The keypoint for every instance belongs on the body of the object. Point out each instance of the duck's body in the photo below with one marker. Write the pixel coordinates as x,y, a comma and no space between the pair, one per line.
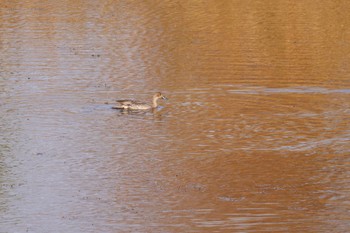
136,105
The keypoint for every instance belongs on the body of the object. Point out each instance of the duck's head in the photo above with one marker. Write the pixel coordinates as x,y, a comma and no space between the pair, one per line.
159,95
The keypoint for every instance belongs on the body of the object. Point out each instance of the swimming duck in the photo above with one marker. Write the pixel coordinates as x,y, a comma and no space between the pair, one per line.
136,105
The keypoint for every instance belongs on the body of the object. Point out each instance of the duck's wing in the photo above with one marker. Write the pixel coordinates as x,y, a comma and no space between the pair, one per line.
125,102
129,102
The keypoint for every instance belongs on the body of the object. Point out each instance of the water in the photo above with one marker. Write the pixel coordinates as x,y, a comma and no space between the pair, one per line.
254,136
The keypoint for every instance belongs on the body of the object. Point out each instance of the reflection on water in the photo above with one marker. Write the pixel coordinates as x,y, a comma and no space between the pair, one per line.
254,137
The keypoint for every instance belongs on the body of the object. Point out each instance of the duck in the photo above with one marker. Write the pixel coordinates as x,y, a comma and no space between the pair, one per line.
136,105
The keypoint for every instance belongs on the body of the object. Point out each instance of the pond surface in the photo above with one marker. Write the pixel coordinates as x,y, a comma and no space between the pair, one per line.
255,136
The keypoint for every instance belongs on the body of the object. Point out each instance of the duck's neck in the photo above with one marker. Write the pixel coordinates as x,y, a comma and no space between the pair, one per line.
155,104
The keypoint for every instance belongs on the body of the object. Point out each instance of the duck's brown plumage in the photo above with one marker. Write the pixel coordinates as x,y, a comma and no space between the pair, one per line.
137,105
